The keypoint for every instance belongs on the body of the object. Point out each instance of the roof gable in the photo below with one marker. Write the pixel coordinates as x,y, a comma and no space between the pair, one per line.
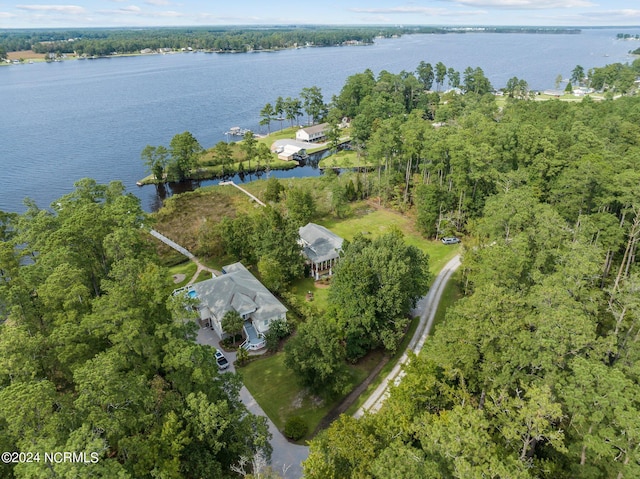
240,291
320,244
315,128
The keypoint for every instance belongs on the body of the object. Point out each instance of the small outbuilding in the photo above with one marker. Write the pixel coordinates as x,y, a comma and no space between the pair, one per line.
290,152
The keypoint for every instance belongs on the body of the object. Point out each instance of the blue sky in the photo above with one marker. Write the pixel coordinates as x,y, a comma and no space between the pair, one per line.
101,13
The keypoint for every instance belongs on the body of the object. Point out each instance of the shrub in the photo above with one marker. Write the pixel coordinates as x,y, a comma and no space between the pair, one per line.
242,357
281,328
274,190
295,428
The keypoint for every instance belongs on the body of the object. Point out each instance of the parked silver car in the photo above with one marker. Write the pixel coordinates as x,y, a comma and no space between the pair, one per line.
450,240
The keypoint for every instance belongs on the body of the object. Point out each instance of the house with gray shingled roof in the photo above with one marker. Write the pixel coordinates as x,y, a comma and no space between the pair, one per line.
321,248
238,290
312,133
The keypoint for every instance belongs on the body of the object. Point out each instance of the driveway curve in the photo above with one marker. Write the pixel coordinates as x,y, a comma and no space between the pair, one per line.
287,458
426,309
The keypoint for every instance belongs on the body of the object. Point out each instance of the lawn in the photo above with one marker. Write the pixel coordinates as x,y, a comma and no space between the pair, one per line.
286,133
188,268
344,159
375,222
277,391
300,287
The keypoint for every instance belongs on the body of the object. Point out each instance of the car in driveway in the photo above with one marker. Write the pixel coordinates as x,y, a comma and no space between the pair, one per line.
223,363
450,240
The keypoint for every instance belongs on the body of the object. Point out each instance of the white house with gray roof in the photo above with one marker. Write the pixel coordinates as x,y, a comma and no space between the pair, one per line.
321,248
238,290
312,133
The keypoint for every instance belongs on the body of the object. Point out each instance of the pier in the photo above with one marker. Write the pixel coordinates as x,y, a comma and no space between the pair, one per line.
237,131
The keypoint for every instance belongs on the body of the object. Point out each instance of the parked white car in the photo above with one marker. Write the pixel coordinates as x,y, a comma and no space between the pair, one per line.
223,363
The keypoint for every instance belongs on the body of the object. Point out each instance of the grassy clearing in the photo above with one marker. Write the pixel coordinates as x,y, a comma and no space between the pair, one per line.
300,287
183,216
375,222
188,268
286,133
277,391
344,159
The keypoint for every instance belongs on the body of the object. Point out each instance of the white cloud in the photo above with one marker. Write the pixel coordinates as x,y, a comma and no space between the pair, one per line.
158,3
169,13
625,15
131,9
434,12
66,9
525,4
7,15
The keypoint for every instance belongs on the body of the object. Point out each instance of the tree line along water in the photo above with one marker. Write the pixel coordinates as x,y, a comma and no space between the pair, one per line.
92,118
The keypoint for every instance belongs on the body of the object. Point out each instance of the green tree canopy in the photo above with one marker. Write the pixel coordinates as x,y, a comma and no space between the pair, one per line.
185,151
375,285
93,358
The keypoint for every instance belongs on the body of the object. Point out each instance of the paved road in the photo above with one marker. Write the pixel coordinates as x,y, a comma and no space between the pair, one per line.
288,457
285,456
426,308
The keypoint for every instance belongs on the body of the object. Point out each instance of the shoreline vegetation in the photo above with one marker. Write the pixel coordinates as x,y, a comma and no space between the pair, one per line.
36,45
210,165
186,159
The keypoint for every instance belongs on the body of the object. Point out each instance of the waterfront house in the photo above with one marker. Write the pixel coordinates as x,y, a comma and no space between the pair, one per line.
290,152
321,248
312,133
238,290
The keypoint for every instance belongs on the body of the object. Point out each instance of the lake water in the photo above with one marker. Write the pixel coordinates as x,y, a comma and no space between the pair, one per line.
63,121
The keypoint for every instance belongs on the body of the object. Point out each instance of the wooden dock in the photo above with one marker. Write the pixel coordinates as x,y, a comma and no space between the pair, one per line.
244,191
237,131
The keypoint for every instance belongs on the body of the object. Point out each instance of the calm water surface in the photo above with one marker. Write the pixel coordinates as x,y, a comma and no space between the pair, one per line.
63,121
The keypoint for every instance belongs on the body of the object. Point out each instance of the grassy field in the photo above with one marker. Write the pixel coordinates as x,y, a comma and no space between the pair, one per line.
286,133
344,159
277,391
184,216
300,287
368,220
188,268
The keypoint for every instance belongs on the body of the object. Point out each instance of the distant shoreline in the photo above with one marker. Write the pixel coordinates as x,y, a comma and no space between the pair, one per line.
66,48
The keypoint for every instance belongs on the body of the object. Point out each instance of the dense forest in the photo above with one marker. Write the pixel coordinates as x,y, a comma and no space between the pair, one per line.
534,373
95,356
106,41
